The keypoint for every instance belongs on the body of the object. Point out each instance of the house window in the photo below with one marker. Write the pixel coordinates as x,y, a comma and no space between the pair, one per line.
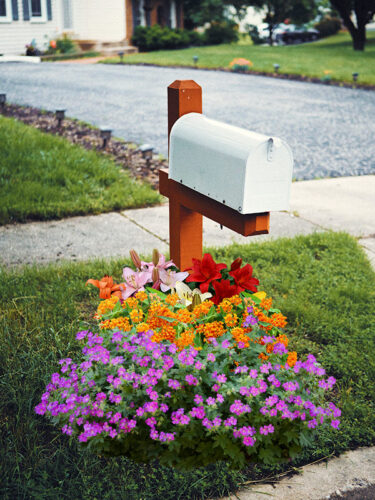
5,11
36,8
3,8
38,11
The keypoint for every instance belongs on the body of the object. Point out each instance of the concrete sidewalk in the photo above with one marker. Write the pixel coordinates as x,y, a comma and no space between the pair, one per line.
342,204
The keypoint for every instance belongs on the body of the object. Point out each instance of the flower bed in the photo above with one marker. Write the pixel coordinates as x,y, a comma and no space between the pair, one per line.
189,376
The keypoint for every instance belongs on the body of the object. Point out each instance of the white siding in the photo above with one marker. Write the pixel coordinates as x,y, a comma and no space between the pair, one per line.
16,34
102,20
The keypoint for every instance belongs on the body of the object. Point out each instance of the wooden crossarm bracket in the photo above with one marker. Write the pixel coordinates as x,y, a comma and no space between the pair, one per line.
245,224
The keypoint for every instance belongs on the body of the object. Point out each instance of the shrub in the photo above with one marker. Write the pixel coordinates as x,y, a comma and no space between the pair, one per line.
65,45
328,26
162,38
217,33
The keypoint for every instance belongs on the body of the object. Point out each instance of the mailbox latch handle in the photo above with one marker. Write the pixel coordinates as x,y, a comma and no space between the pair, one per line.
270,149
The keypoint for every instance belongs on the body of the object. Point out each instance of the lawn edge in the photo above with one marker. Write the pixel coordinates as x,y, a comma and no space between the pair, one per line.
281,76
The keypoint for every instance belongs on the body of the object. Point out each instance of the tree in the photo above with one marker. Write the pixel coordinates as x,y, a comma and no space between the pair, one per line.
199,12
364,11
277,11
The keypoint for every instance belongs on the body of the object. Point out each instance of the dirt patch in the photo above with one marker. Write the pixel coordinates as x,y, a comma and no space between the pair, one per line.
125,154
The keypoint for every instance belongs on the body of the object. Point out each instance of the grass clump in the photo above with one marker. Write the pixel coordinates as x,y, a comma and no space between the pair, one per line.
45,177
322,282
330,58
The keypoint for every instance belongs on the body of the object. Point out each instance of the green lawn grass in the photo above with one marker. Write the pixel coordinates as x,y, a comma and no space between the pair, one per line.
45,177
322,282
334,54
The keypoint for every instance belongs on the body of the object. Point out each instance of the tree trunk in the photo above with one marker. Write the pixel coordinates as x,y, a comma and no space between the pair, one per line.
270,30
359,39
358,33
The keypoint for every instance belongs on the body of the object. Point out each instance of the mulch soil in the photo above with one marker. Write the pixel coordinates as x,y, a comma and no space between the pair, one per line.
125,154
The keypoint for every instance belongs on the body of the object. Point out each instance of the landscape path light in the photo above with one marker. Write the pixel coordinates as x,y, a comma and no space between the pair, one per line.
105,134
3,98
147,152
60,115
195,59
121,56
355,76
276,67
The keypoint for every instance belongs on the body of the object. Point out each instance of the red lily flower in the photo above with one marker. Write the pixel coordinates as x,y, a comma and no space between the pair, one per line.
205,271
236,264
223,289
107,287
243,278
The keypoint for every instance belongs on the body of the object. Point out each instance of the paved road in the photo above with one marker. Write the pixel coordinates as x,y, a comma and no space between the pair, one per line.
330,129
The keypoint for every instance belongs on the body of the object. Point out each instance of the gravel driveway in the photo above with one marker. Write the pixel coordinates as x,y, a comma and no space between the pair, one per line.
331,130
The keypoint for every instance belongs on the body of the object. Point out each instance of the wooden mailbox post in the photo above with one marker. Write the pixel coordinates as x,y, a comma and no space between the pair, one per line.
187,206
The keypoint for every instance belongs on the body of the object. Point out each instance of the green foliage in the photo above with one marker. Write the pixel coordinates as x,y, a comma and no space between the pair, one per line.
65,45
218,33
45,177
323,283
199,12
328,26
157,37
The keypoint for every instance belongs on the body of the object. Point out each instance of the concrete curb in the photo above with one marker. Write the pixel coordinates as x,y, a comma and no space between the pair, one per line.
352,470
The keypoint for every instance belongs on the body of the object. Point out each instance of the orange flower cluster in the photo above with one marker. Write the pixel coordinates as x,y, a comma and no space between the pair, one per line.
121,323
266,304
231,319
107,305
211,330
202,309
136,315
149,312
276,320
172,299
238,334
292,358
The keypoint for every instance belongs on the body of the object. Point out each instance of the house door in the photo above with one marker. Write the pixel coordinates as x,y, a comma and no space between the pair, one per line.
67,14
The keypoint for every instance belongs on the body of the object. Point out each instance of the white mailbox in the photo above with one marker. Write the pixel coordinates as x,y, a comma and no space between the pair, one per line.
244,170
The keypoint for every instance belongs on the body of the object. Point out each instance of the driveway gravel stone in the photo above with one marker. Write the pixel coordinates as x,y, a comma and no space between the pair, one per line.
330,129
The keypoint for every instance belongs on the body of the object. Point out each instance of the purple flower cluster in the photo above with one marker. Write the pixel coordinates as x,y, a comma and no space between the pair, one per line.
127,383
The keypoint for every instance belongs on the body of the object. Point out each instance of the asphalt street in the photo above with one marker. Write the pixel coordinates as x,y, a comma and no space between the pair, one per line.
330,129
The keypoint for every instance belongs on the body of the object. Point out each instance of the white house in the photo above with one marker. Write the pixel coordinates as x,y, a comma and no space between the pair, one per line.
21,21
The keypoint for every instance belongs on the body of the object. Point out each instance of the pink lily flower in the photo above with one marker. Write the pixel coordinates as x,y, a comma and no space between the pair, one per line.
148,267
169,279
134,281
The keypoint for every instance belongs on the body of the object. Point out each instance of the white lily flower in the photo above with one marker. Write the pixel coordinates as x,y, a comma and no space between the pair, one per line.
186,295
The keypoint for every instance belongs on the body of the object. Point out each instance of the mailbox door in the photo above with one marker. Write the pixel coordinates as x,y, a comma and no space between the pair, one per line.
268,178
